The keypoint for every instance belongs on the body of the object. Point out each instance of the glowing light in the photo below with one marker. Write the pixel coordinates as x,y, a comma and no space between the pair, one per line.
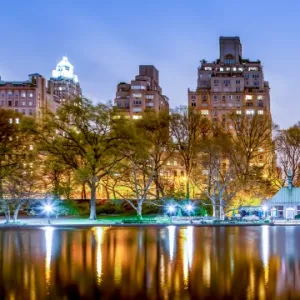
48,208
65,69
265,208
171,230
171,208
48,237
189,207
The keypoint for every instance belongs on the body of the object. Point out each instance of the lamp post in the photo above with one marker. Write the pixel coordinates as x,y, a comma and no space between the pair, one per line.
265,209
48,209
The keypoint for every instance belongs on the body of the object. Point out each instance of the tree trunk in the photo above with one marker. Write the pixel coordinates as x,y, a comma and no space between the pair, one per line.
214,209
139,211
221,209
7,216
16,213
93,215
187,188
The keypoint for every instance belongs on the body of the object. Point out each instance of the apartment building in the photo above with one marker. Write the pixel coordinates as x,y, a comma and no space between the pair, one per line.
32,97
144,92
230,84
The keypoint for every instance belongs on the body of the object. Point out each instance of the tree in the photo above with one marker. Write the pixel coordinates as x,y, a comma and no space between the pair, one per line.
16,145
287,144
155,130
136,173
189,129
85,138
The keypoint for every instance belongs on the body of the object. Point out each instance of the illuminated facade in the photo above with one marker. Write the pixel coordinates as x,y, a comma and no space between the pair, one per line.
65,82
142,93
231,84
31,97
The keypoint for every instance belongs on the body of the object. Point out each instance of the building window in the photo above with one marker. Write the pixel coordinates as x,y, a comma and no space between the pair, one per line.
138,87
226,82
238,98
215,97
221,69
204,97
234,69
246,76
30,112
17,120
137,102
253,69
10,120
255,76
193,97
260,112
241,69
23,103
204,112
193,104
2,102
23,94
216,82
228,69
229,97
250,112
215,112
30,103
9,103
238,82
30,95
238,112
135,117
207,68
260,97
255,83
16,103
249,97
137,95
149,96
137,109
23,112
204,82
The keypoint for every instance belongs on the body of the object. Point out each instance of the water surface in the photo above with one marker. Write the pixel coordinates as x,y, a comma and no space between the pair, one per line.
150,263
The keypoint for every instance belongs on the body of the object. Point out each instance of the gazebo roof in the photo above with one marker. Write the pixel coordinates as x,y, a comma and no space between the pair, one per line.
286,195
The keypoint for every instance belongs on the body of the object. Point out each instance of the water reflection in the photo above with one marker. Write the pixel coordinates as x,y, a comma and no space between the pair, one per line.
151,263
48,238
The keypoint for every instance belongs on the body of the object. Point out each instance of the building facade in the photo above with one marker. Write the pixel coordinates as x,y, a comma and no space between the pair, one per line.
141,94
32,97
231,84
65,82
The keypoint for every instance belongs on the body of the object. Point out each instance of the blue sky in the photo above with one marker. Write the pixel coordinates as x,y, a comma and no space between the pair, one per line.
107,40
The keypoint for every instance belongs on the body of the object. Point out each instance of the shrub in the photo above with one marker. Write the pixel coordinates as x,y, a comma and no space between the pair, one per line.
297,216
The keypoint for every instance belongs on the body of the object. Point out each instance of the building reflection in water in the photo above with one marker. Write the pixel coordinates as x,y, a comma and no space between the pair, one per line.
151,263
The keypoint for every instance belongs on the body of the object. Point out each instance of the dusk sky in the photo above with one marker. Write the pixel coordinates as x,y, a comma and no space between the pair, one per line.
107,40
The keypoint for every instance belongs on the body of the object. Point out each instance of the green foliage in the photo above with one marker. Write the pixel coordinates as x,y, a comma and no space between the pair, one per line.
297,217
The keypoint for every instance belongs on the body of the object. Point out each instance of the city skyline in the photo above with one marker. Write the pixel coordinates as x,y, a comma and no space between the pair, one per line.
104,52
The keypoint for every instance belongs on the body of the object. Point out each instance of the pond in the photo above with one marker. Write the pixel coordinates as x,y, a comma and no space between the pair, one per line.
150,263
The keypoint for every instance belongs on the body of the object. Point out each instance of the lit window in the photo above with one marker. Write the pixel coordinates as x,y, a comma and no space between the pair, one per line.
208,68
234,69
137,109
260,112
138,87
30,95
10,120
204,112
241,69
249,97
137,95
23,103
30,147
260,97
230,97
23,94
253,69
238,112
30,103
135,117
221,69
250,112
227,69
260,149
17,120
149,96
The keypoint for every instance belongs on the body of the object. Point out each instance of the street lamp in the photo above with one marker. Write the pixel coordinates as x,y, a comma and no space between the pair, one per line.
171,208
48,209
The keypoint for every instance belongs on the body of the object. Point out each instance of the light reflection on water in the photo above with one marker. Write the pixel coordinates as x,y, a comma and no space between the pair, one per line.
151,263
